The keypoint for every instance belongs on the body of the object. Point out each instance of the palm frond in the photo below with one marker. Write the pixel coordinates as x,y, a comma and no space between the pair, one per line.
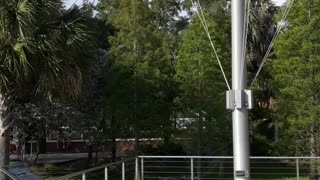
43,42
16,58
74,27
25,12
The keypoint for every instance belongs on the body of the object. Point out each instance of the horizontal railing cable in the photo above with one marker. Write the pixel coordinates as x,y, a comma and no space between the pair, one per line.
204,167
92,169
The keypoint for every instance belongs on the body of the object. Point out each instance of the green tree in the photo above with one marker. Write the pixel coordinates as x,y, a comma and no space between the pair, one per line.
36,118
130,50
296,78
42,51
261,29
141,75
92,124
201,84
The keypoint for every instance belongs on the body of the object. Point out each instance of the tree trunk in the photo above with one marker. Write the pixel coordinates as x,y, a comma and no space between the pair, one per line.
167,128
90,151
4,151
113,149
5,122
43,146
136,140
199,144
113,139
318,168
43,142
38,151
175,122
166,134
96,158
200,126
276,130
313,162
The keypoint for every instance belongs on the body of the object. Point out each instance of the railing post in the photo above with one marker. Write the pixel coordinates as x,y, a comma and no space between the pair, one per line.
123,171
84,176
192,169
297,168
106,173
137,170
142,169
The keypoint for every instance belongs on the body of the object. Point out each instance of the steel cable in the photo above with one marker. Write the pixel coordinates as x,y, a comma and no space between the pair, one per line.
205,27
272,41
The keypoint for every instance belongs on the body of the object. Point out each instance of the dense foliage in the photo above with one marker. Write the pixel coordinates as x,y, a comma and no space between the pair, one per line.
145,69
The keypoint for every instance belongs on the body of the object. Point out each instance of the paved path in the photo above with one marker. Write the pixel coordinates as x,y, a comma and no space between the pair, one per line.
54,158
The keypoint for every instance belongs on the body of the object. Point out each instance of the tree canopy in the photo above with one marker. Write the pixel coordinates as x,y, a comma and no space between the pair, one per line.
145,69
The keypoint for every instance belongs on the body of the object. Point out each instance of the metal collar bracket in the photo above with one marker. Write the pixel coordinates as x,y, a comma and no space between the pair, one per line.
238,99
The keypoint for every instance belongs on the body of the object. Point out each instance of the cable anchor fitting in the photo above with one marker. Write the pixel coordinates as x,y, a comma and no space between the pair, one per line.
238,99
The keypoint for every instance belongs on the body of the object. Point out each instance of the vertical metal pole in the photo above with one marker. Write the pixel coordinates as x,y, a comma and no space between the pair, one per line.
106,173
84,176
123,171
297,168
192,174
136,169
240,114
142,169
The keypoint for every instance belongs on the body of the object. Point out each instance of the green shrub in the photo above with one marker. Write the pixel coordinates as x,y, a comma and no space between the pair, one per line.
261,146
49,167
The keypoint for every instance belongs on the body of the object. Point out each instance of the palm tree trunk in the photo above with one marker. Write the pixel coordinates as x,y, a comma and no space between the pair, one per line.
5,122
4,151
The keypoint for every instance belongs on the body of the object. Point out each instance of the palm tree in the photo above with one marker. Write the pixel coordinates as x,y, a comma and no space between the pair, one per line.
43,50
261,29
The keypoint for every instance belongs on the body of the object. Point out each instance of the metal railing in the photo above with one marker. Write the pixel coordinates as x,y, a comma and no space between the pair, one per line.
201,167
119,170
218,167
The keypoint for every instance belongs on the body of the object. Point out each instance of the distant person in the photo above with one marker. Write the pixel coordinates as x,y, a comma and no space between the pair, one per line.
60,139
69,134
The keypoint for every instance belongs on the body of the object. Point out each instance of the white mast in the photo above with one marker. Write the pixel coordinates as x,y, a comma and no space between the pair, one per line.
239,100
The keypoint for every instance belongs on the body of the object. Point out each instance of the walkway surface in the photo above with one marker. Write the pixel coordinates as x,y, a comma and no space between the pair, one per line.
54,158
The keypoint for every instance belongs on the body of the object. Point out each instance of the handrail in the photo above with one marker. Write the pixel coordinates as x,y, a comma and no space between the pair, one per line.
188,157
227,157
141,171
93,169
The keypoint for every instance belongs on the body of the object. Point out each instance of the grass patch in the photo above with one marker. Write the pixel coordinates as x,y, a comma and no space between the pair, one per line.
56,170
